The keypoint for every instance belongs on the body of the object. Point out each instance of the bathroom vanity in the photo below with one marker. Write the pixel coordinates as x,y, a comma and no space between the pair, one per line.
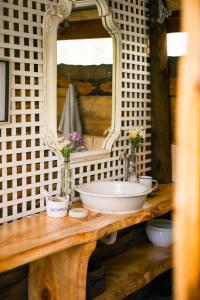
58,251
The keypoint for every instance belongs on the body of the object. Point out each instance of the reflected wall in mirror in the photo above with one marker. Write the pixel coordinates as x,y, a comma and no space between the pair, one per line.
84,77
4,90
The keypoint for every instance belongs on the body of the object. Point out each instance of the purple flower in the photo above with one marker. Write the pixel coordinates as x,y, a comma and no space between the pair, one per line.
76,137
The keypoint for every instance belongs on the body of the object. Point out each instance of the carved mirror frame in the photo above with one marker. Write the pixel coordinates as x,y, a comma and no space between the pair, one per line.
53,16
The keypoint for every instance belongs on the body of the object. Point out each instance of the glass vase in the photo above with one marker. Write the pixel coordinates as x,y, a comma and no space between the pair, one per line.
66,180
133,165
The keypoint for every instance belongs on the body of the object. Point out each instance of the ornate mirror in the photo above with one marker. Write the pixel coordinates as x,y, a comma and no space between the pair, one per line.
82,61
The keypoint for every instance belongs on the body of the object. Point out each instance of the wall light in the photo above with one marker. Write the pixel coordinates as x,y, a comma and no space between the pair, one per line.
177,43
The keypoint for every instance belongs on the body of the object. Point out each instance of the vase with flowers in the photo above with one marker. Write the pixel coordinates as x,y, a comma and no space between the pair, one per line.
135,136
65,147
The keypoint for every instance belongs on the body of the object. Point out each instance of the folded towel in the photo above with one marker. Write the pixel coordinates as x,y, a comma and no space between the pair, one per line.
70,119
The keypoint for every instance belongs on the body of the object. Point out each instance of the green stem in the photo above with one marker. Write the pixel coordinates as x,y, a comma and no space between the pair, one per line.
66,179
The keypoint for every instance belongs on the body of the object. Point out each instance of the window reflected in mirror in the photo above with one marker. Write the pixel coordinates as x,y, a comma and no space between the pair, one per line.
84,77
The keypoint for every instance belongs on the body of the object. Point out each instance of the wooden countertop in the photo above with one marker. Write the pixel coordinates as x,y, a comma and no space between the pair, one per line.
38,236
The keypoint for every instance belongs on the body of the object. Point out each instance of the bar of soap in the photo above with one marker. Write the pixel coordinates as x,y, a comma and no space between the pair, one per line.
78,212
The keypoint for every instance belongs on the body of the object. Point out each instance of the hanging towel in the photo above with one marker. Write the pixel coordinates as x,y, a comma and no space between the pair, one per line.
70,119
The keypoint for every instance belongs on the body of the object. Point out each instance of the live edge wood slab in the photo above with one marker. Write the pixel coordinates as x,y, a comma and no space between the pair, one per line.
133,269
58,250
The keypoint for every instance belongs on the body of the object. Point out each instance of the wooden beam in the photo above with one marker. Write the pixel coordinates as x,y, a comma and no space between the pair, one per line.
173,22
161,139
83,30
187,195
174,4
83,15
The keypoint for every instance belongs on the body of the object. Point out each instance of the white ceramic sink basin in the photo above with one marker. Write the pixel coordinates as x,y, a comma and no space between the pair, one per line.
113,196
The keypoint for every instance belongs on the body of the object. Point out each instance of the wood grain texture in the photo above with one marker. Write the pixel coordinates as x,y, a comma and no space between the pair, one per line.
187,196
61,275
84,73
173,87
160,105
84,14
38,236
96,109
133,269
14,284
174,5
87,29
173,22
172,63
95,114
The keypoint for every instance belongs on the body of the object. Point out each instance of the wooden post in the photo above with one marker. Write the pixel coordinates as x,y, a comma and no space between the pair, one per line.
160,107
187,195
61,276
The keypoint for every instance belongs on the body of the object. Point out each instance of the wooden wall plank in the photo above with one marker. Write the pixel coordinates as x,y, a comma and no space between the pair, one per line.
173,22
187,195
83,30
174,4
160,105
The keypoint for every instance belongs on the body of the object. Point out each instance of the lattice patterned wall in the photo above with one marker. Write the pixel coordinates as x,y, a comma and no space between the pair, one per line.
26,165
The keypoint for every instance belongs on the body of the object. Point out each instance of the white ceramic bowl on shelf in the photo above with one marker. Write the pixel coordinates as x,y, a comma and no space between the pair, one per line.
159,232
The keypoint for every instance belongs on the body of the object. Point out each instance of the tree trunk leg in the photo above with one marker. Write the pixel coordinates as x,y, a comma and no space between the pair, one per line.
61,276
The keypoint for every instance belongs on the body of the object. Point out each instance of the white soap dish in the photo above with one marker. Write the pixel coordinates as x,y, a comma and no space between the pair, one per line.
78,212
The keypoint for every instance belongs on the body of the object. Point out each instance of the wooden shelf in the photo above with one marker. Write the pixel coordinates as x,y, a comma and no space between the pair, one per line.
130,271
38,236
61,248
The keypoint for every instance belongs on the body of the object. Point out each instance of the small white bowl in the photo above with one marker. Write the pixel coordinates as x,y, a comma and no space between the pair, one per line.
159,232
